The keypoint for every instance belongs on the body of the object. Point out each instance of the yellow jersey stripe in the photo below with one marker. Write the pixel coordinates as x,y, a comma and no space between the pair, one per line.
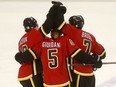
34,67
69,69
102,53
25,78
75,53
42,29
32,82
84,74
61,25
34,56
59,85
78,79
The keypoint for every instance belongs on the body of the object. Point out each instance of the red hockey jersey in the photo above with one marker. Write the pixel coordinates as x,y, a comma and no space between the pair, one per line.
54,54
87,43
29,40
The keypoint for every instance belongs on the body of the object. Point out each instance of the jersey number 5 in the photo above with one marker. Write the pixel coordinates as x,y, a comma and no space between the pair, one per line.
52,58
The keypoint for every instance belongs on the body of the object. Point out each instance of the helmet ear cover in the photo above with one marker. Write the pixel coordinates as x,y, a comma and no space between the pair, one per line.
29,23
77,21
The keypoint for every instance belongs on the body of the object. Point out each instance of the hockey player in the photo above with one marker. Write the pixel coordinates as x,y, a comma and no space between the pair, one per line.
83,76
30,73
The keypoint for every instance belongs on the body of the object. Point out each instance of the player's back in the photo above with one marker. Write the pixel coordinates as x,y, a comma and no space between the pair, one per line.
83,39
87,43
29,40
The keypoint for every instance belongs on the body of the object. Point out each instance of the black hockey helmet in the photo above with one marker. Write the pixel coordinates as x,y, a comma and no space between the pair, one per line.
29,23
77,21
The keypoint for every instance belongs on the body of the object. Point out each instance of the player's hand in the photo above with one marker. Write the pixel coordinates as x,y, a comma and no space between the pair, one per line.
18,57
96,61
57,9
95,58
60,9
56,15
98,64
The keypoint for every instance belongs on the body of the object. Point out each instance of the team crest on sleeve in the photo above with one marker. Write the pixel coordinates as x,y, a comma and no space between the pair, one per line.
71,42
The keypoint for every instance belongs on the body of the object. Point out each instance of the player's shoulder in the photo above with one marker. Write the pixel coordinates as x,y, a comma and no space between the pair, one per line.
70,26
65,38
24,35
89,33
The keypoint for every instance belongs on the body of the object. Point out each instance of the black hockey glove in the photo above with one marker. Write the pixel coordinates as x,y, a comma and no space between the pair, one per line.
48,24
97,62
56,14
24,57
95,58
59,21
56,9
18,57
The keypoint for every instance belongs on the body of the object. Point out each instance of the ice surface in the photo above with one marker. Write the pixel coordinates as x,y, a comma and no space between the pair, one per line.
100,20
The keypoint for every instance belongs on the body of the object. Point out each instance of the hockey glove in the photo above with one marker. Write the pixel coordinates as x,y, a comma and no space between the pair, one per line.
95,58
59,21
57,8
56,14
18,57
24,57
48,24
97,63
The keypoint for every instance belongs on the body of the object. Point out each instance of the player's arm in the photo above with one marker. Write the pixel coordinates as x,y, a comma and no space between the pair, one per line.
27,56
77,54
49,23
46,26
100,50
71,31
82,57
100,54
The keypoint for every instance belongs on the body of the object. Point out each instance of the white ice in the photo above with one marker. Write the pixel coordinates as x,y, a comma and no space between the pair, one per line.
100,20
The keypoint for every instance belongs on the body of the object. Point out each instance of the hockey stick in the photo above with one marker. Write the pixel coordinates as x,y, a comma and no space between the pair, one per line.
104,63
109,63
